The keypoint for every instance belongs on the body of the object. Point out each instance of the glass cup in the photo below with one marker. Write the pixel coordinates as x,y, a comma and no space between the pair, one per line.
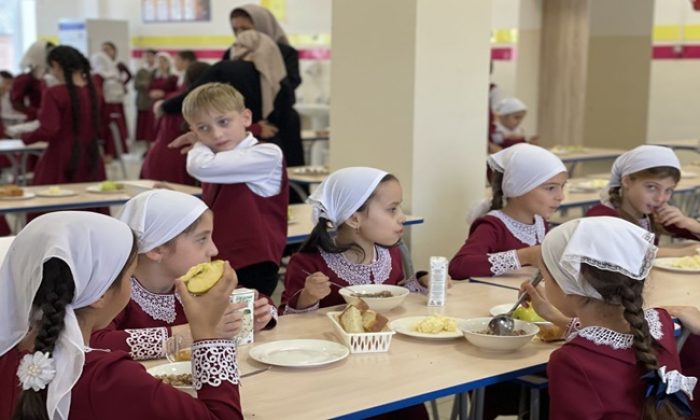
177,349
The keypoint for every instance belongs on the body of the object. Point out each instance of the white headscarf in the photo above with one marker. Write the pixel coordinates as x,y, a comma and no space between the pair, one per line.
509,106
607,243
156,65
95,248
343,192
525,167
639,159
34,59
158,216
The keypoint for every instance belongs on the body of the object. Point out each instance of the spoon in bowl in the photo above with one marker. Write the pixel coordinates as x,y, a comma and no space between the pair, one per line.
503,324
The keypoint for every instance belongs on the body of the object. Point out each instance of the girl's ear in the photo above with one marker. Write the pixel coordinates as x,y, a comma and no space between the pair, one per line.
626,181
156,254
354,221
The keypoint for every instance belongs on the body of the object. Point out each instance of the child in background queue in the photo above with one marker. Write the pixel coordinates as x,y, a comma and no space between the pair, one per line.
621,360
70,122
527,188
142,83
641,184
243,180
28,87
507,128
66,275
163,163
106,77
174,232
358,221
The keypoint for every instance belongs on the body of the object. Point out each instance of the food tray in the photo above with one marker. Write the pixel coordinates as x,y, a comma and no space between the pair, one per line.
373,342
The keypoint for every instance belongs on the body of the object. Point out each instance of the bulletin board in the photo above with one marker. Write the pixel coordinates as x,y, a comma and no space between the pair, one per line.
158,11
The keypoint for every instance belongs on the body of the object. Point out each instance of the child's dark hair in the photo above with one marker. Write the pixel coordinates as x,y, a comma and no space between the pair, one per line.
195,71
151,51
239,13
618,289
5,74
321,239
55,292
497,201
72,61
187,55
656,173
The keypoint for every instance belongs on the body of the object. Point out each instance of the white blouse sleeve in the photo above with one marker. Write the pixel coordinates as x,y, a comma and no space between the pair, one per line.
260,167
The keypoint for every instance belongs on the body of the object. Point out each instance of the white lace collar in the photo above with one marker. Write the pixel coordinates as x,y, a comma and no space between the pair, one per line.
354,274
616,340
528,234
159,306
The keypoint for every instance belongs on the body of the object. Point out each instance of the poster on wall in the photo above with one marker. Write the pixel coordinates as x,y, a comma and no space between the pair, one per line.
158,11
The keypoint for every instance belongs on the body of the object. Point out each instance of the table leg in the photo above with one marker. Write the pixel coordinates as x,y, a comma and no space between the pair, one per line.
477,408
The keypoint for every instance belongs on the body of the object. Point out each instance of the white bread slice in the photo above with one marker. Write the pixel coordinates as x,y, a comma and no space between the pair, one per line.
358,303
351,320
372,321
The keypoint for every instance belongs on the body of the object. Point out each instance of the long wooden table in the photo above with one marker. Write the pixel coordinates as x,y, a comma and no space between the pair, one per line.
680,144
411,372
17,153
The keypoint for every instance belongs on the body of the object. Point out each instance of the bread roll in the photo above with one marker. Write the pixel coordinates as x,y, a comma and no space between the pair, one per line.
372,321
351,320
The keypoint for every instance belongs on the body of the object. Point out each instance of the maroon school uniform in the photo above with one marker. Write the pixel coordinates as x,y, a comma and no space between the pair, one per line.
491,248
387,269
248,228
147,120
595,374
56,130
163,163
113,387
26,95
690,363
145,322
605,210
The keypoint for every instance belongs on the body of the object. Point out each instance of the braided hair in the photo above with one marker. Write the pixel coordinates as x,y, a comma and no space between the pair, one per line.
497,199
618,289
73,62
321,239
659,172
56,291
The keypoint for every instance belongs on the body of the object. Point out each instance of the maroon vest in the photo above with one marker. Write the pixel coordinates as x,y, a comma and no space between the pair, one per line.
248,228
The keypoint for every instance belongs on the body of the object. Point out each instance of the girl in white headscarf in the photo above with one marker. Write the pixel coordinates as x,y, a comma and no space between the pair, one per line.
641,184
27,88
358,221
621,361
527,188
67,274
507,128
174,233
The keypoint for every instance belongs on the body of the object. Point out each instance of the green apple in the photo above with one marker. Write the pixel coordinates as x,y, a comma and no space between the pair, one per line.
527,314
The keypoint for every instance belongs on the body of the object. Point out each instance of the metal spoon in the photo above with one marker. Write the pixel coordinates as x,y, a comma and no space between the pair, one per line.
503,324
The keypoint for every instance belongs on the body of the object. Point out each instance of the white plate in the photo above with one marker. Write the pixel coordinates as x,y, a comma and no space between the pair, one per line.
591,185
665,263
299,353
176,368
292,220
686,175
96,189
407,326
61,193
26,196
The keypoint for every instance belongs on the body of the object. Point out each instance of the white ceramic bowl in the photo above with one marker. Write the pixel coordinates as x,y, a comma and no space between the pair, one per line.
176,368
472,328
377,303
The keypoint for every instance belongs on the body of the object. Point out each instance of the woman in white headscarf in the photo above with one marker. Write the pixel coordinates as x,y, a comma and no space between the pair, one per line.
621,359
641,185
527,188
174,232
28,86
67,274
358,221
